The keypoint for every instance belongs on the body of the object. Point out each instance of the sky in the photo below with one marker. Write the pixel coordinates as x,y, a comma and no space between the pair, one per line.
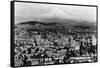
43,12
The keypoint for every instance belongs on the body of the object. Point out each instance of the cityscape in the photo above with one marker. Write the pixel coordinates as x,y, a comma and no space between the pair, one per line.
56,35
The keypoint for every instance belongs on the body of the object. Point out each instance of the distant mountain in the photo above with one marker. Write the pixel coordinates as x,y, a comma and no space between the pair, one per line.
32,23
60,22
56,26
56,15
55,20
40,23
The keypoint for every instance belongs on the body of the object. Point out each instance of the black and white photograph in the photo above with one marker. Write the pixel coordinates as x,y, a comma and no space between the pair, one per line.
53,34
